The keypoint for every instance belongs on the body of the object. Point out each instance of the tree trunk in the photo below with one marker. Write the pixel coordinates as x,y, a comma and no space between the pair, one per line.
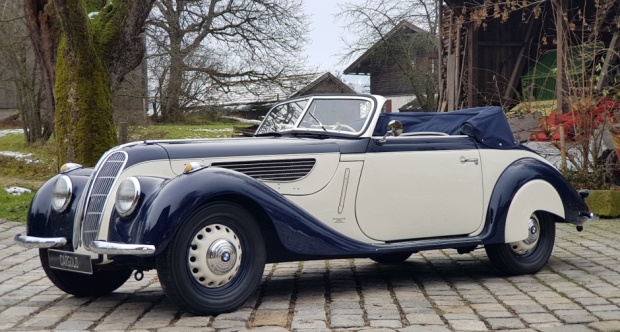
84,115
84,60
170,108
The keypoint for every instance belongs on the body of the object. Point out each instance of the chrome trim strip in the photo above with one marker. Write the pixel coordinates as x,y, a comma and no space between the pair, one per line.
111,248
39,242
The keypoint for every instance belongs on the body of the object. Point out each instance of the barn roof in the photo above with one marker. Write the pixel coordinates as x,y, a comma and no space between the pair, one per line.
362,65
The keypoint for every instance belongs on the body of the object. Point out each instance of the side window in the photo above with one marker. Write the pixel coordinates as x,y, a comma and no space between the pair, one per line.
282,117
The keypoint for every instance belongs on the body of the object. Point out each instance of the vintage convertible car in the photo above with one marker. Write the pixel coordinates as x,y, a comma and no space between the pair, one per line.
326,176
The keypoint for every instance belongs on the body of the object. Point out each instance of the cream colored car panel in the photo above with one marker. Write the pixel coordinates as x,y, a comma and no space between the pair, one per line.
536,195
334,206
317,179
420,194
494,162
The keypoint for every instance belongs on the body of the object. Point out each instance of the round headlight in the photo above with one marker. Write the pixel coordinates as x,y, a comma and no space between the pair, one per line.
61,195
127,196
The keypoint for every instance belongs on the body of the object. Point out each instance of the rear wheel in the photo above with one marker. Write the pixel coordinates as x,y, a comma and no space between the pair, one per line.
101,282
527,256
392,258
215,261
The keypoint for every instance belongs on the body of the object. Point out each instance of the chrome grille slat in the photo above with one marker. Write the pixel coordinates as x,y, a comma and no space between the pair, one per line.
101,184
288,170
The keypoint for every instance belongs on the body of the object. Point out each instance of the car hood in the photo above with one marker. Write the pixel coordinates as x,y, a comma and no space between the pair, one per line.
244,147
326,152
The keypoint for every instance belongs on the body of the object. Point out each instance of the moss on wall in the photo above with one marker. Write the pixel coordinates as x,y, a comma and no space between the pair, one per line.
606,203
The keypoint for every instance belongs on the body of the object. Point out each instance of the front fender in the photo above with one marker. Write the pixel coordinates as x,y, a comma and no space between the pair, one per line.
515,177
298,231
43,221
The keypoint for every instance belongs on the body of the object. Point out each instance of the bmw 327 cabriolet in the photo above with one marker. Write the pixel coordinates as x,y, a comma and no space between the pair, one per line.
326,176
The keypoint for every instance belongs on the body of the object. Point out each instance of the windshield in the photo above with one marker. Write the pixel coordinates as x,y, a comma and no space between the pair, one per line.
322,115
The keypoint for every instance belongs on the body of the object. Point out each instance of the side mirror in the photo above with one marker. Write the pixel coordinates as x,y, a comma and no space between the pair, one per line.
394,128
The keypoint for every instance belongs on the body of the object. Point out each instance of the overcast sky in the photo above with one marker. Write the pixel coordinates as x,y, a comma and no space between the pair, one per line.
326,39
325,34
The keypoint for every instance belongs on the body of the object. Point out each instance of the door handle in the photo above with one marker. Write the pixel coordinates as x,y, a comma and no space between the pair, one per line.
469,160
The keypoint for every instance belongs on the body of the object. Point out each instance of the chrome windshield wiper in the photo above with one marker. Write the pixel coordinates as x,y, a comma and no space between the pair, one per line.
317,120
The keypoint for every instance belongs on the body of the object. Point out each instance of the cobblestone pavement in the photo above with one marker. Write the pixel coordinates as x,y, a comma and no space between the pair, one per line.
440,290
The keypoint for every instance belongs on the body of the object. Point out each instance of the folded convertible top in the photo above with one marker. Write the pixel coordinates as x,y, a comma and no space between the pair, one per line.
487,125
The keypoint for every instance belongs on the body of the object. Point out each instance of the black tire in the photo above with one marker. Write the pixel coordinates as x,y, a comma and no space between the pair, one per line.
392,258
509,262
101,282
191,283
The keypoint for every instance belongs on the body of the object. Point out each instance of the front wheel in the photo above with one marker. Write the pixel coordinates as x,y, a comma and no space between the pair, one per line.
527,256
215,261
101,282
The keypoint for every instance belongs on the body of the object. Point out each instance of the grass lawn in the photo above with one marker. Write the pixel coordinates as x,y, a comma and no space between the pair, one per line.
39,163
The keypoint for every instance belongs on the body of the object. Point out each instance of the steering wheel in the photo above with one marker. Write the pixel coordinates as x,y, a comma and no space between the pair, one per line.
340,126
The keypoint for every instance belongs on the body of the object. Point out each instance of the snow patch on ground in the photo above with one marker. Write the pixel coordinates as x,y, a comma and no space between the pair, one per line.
5,132
27,157
17,191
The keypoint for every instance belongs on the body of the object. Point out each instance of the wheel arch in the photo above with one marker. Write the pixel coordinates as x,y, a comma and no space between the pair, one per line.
273,245
286,225
531,175
534,196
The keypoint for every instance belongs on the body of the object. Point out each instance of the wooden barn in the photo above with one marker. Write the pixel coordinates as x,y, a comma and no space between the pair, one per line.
507,52
391,63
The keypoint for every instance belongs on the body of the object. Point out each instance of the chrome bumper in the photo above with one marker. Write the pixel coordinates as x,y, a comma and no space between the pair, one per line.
111,248
98,247
39,242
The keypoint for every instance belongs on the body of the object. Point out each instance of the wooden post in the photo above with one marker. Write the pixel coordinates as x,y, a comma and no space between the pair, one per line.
122,132
388,106
518,68
562,147
560,81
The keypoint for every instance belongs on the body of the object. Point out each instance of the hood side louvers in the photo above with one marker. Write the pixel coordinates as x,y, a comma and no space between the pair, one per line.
286,170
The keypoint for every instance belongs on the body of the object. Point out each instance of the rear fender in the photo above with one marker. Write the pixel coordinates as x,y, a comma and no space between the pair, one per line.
536,195
509,205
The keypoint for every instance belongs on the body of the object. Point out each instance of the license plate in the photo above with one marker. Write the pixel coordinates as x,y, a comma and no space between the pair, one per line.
69,261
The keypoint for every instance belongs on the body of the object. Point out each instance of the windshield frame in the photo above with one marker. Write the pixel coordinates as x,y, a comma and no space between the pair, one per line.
296,129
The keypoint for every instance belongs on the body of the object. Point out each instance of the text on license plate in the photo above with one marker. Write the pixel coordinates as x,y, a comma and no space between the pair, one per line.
69,261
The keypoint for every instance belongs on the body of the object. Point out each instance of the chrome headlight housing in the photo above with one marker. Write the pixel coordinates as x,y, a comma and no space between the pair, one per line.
127,196
61,195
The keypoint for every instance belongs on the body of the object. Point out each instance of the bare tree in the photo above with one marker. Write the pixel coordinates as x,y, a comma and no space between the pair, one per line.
205,45
85,49
19,68
376,21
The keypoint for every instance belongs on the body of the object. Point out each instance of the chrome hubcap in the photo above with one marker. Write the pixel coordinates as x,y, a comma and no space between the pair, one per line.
525,246
214,256
221,256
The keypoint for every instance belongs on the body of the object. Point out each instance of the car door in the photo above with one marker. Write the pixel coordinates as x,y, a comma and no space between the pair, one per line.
420,187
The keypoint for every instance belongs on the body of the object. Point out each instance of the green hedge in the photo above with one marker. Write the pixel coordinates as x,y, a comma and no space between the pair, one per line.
606,203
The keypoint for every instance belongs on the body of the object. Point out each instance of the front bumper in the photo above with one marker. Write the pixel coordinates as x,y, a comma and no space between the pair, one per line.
98,247
39,242
111,248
